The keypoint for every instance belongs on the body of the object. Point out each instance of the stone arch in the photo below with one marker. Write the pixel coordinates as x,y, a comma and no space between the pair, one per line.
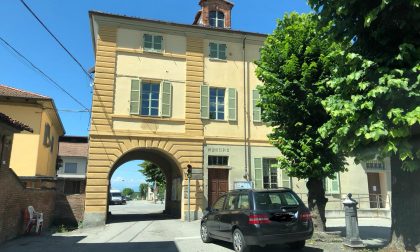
170,167
106,153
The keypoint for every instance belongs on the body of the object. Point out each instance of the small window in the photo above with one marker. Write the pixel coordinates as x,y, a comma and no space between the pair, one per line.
150,99
218,205
72,187
153,43
217,103
217,19
218,160
70,168
217,51
47,140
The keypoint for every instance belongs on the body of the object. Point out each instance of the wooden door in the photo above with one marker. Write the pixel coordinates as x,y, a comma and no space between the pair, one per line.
218,183
375,196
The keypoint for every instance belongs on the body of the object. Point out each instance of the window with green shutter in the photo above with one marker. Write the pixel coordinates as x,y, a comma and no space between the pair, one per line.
166,98
256,111
217,51
205,90
332,186
135,97
232,104
153,43
258,173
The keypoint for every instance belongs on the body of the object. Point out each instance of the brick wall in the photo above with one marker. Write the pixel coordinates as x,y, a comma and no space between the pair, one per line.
14,199
69,209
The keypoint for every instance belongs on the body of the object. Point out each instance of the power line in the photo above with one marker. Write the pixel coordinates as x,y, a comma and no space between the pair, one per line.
44,74
56,39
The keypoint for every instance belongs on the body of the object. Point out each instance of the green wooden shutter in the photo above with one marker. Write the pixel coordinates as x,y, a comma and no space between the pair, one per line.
166,99
333,185
147,41
256,110
222,51
213,50
135,97
232,104
157,43
205,91
258,173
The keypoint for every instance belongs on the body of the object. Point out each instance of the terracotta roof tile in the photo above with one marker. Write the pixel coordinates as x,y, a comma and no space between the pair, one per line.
73,149
15,124
14,92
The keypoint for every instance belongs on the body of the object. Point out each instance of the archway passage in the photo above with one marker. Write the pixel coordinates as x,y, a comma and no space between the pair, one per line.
172,173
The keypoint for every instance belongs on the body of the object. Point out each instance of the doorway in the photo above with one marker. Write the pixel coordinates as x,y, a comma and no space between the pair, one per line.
375,196
218,183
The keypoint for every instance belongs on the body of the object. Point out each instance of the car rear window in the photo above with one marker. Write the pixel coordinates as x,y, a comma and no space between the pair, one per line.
274,200
116,194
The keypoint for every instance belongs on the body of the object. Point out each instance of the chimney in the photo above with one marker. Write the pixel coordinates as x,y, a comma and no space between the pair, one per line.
214,13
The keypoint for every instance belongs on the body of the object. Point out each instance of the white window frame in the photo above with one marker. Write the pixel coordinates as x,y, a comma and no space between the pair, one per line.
154,36
269,174
218,51
149,113
217,18
217,102
72,163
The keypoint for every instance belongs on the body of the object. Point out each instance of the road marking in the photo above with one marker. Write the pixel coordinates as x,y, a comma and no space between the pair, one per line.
187,238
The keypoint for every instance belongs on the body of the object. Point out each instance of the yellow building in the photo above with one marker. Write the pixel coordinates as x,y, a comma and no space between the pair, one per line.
33,154
175,95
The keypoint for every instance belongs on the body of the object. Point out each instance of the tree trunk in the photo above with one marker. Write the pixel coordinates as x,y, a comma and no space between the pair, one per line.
405,208
317,203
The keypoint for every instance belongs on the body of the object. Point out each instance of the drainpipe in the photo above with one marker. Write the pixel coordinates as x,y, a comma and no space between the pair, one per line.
245,112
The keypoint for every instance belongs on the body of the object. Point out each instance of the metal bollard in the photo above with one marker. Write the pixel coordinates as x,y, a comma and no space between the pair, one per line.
352,227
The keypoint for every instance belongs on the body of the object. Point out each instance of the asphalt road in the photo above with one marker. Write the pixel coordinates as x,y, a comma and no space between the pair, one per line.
139,226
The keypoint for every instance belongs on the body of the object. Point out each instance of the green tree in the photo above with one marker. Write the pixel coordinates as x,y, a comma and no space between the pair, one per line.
293,67
143,190
152,173
127,192
375,109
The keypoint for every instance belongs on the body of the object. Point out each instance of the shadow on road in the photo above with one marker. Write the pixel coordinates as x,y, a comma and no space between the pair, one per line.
70,244
119,218
271,248
375,237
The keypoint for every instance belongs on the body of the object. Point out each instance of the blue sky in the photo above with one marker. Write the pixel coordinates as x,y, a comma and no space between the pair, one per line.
69,21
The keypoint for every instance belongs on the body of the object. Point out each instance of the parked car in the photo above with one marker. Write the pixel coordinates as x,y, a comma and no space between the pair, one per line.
115,197
258,217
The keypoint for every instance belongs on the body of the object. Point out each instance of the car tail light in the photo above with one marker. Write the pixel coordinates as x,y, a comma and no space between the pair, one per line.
259,219
305,216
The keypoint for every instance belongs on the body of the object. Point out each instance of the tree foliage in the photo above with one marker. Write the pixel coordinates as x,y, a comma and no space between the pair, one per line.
152,173
293,66
143,188
376,103
127,192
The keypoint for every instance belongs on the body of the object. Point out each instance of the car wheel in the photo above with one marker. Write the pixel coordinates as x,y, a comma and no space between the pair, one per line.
239,244
297,245
204,233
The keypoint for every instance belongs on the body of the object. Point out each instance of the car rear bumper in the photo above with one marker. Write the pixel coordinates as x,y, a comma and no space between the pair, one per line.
260,239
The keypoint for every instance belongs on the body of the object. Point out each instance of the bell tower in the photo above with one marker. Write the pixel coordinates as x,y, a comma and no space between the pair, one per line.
215,14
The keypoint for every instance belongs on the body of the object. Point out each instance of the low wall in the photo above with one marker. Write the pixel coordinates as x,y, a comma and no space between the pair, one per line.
69,209
15,198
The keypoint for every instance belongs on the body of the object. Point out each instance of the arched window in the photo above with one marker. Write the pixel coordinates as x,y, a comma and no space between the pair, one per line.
217,19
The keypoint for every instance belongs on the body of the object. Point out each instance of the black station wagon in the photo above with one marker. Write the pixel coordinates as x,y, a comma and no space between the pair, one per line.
258,217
